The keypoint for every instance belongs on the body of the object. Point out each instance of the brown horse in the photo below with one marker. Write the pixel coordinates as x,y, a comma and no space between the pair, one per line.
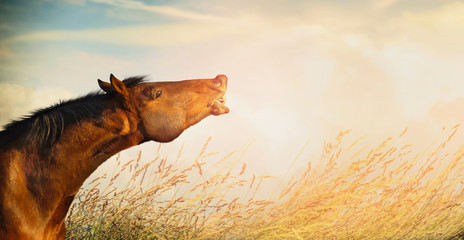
45,158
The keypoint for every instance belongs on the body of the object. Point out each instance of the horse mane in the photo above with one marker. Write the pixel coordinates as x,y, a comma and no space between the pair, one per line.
43,127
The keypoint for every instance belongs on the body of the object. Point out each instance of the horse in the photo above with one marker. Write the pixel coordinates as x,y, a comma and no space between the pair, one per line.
46,157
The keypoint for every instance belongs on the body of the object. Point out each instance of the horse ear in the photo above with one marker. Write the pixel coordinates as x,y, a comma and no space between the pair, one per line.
119,86
106,87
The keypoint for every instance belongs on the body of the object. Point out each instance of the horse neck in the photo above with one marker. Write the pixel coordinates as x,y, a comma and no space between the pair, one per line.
47,180
86,145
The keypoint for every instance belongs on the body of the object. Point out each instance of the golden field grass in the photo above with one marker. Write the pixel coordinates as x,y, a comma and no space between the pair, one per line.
356,191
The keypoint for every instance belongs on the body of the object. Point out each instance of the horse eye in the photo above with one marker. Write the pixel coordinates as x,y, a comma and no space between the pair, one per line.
158,93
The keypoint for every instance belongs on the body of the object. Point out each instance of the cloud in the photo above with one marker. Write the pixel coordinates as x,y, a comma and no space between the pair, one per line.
76,2
17,100
5,53
447,113
360,96
164,10
382,4
155,35
422,52
438,30
5,26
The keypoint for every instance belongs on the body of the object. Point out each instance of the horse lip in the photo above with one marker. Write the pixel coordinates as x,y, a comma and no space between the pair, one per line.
218,104
219,107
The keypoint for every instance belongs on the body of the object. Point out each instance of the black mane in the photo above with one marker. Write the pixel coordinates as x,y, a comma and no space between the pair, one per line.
43,127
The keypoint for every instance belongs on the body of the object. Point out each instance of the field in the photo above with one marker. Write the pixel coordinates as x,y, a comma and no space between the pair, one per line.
356,191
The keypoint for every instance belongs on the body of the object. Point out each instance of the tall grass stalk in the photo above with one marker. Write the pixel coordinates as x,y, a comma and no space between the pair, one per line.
385,191
164,200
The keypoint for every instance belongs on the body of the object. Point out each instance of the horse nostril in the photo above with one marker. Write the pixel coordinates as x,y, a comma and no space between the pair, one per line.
220,81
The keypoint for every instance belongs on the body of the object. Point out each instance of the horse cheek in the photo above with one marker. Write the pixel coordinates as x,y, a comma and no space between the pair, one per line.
163,126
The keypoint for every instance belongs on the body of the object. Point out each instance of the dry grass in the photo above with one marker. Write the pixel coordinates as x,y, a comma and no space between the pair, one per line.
387,191
164,200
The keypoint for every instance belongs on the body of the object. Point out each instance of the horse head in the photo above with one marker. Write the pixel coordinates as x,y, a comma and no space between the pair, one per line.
166,109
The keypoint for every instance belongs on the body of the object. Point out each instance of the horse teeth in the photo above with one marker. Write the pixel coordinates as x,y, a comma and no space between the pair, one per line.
222,100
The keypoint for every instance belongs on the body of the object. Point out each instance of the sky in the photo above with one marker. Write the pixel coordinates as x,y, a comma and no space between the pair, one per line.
299,71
